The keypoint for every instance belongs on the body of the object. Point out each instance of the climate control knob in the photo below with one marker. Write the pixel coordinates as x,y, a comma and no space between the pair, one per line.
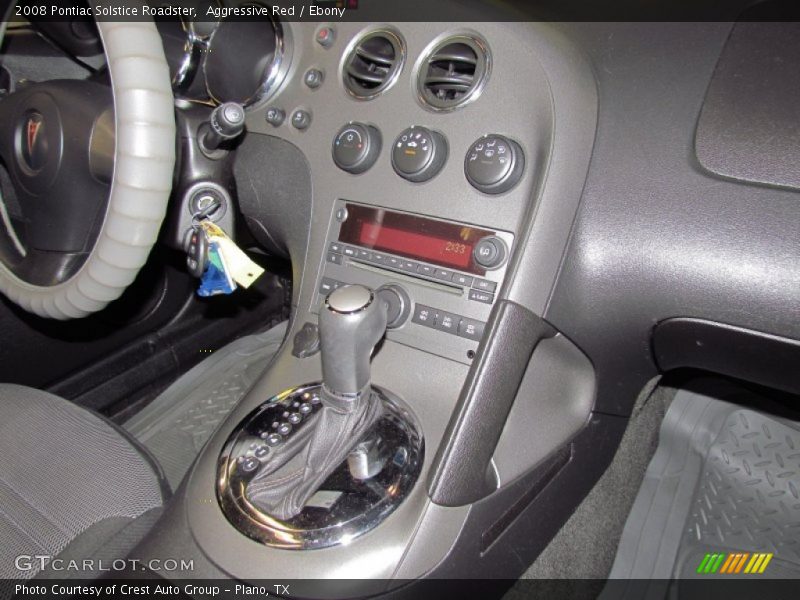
494,164
419,154
356,147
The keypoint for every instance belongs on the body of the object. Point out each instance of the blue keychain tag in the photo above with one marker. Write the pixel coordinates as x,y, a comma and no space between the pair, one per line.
215,280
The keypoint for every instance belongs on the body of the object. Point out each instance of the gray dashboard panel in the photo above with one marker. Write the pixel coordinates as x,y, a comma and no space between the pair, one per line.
657,237
448,195
749,127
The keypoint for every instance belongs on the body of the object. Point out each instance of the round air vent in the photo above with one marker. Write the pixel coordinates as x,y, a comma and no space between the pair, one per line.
373,64
454,73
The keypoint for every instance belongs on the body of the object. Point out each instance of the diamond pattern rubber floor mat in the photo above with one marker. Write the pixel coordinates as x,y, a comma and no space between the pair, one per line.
724,481
177,424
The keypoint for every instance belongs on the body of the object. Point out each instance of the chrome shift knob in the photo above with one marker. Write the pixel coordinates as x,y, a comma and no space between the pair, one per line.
351,322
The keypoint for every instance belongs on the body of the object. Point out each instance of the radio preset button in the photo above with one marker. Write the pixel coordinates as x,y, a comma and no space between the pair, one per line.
485,285
409,265
443,274
425,270
336,247
460,279
364,254
350,251
480,296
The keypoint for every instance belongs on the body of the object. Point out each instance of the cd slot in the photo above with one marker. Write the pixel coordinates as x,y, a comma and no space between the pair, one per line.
479,290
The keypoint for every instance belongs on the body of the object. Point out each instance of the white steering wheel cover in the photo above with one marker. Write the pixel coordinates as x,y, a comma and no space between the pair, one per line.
140,189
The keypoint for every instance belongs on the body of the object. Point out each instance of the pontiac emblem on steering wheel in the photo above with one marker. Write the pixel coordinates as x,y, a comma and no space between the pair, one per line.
34,152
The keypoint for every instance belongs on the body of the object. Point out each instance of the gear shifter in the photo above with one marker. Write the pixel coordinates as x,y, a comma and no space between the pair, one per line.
351,323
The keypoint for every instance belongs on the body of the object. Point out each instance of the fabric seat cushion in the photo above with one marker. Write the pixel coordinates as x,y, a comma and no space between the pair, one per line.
63,469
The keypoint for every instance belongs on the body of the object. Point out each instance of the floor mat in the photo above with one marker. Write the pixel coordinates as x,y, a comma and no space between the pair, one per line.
177,424
724,481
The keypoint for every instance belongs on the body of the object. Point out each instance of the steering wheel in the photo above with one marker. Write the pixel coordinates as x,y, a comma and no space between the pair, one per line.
89,174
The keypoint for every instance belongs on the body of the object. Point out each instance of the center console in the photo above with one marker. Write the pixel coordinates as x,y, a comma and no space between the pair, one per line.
451,205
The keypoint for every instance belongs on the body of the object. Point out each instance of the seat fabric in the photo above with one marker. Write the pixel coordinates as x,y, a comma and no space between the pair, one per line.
64,473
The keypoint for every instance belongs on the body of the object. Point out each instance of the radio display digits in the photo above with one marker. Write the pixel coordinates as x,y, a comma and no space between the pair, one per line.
439,242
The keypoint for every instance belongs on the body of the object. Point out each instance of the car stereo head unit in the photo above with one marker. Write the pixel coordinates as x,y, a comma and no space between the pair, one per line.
451,272
447,244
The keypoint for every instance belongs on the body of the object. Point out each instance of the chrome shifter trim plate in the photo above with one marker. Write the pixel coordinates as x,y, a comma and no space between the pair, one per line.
344,508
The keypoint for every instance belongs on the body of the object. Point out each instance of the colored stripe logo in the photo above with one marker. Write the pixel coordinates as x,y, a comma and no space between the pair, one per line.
734,563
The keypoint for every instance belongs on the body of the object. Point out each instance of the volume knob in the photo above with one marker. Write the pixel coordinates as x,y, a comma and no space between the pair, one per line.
490,252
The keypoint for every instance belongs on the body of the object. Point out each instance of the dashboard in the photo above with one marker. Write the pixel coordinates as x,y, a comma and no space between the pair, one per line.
419,169
555,213
354,99
372,156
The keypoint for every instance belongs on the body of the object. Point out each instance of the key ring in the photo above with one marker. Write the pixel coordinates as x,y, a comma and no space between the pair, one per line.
203,213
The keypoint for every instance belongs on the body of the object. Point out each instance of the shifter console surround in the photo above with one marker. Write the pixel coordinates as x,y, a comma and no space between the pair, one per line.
345,507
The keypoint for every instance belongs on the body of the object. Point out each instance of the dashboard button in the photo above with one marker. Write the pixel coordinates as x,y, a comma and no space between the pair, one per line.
356,147
275,116
460,279
490,252
480,296
350,251
249,464
335,258
419,154
494,164
443,274
425,270
364,254
409,265
327,285
393,261
313,78
325,37
471,329
425,315
485,285
273,439
336,247
301,119
448,322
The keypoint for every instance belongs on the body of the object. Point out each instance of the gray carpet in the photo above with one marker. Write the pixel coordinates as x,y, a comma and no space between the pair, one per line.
177,424
585,547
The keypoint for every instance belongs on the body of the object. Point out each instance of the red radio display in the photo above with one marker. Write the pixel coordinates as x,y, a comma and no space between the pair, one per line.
438,242
432,249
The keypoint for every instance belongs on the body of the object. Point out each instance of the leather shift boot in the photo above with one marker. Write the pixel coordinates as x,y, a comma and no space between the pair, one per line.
296,470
